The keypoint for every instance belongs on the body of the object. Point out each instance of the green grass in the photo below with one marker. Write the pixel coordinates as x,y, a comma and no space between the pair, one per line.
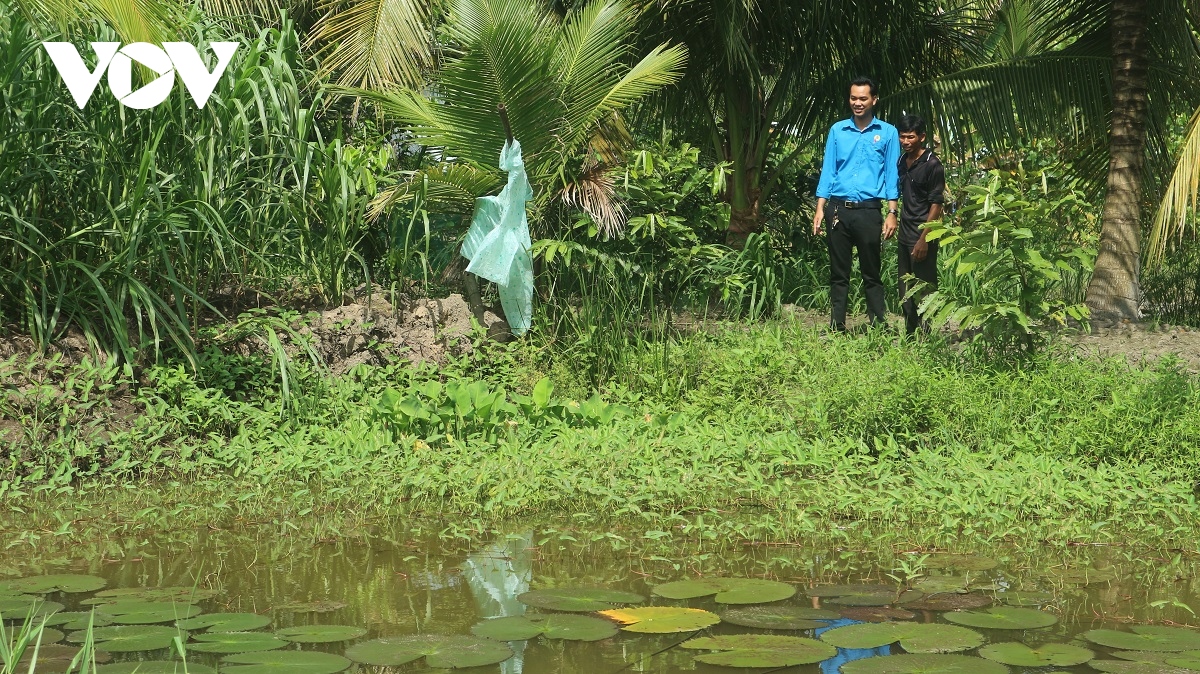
765,431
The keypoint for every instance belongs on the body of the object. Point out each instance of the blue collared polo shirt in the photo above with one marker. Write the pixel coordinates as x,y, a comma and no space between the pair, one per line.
860,165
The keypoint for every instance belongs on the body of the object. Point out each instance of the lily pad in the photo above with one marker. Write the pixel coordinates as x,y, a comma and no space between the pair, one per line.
778,617
155,667
77,620
552,626
1084,576
128,638
25,606
1186,660
438,651
1046,655
940,584
760,650
1146,638
847,590
225,622
292,662
136,612
946,560
1131,667
321,634
59,582
321,606
235,642
1159,657
950,602
727,590
181,593
53,658
578,599
863,595
662,619
923,664
876,614
1025,598
1003,618
913,637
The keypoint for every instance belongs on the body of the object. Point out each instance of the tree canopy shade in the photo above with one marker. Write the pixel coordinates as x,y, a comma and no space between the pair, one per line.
562,82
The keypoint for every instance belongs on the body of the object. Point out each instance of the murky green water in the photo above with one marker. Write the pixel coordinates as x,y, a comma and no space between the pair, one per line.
400,586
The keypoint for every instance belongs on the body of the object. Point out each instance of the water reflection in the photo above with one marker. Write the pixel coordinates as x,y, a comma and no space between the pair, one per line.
497,575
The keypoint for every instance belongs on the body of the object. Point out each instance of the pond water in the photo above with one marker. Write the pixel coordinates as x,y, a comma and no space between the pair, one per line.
394,586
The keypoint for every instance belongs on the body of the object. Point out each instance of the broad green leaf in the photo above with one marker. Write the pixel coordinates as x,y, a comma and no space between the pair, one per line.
184,594
760,650
438,651
154,667
1134,667
235,642
551,626
127,638
952,601
77,620
284,662
225,622
912,637
1004,618
923,664
727,590
662,619
1046,655
941,584
60,582
778,617
578,599
1186,660
18,608
877,614
1146,638
320,634
1025,598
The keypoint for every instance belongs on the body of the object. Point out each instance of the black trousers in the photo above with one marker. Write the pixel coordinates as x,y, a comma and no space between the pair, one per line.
925,270
860,228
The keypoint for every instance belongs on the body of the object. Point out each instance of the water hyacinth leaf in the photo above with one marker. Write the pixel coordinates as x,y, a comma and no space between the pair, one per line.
1146,638
1132,667
225,622
961,562
155,667
1003,618
662,619
235,642
913,637
128,638
22,607
778,617
181,593
923,664
1186,660
59,582
1046,655
727,590
578,599
876,614
941,584
292,662
438,651
77,620
760,650
552,626
320,634
321,606
950,602
1025,598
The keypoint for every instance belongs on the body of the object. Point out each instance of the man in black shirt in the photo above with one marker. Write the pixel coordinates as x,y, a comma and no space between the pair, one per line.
922,184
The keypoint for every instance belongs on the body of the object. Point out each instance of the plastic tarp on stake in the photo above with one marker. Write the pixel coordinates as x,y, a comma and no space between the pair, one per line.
498,242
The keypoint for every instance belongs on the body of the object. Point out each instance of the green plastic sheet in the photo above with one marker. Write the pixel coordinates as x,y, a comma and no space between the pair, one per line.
498,242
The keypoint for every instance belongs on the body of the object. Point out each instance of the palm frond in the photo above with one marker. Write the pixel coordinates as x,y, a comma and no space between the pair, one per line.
1182,195
373,43
451,188
594,192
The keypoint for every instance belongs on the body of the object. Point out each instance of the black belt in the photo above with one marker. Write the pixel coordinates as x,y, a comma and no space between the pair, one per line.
869,203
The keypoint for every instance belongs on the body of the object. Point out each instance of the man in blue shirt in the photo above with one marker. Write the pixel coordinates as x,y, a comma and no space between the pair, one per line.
858,174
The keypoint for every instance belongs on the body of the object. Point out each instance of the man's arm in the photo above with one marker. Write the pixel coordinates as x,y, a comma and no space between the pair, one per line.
937,188
891,183
825,184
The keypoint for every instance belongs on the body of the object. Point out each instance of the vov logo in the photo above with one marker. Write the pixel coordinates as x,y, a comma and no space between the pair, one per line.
171,58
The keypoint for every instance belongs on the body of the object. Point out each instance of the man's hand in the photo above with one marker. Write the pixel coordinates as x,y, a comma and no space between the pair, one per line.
889,226
818,218
920,250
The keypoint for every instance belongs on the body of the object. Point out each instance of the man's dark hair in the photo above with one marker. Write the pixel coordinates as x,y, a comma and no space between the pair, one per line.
864,81
911,123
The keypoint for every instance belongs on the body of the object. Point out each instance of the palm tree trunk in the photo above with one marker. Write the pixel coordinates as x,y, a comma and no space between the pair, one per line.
1114,292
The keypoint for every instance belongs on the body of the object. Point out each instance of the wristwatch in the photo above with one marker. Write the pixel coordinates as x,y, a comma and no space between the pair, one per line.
893,211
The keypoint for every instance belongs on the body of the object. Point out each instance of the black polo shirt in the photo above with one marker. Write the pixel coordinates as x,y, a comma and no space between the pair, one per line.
921,185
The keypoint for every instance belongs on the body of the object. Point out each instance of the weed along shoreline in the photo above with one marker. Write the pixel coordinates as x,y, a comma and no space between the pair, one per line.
770,432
